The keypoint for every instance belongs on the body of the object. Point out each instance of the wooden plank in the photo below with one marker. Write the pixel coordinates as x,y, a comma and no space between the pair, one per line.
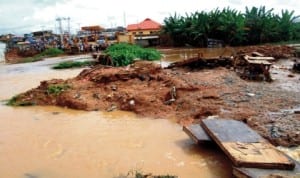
259,58
255,53
197,134
264,62
244,146
260,173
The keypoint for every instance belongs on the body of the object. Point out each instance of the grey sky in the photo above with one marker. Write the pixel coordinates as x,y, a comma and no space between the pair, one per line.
22,16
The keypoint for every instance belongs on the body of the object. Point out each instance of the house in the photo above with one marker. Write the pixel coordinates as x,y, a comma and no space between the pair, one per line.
90,31
43,33
145,33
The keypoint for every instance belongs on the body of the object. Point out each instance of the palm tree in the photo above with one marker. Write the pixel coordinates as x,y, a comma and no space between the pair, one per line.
256,25
287,25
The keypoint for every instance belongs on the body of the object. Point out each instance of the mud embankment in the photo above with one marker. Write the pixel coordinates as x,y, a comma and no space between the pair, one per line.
184,94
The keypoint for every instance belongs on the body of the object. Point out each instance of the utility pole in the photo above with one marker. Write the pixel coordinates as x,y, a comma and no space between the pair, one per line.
79,28
42,27
69,26
60,19
124,16
60,29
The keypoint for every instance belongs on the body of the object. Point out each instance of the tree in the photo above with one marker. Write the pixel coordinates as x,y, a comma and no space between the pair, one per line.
287,25
255,26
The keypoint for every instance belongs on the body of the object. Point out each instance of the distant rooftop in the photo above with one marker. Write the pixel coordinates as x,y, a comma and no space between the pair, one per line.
147,24
92,28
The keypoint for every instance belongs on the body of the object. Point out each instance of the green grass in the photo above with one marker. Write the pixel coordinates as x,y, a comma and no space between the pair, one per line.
14,102
123,54
72,64
57,89
51,52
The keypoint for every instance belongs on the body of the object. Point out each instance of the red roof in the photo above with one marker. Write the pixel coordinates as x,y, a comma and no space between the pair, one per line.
147,24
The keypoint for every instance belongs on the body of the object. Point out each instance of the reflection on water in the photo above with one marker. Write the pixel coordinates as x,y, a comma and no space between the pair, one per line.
57,142
172,55
179,54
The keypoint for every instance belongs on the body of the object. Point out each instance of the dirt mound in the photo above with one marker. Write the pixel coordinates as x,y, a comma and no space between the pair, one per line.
184,94
143,88
278,52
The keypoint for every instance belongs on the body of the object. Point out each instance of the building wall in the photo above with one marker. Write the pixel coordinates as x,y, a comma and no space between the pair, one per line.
125,39
143,32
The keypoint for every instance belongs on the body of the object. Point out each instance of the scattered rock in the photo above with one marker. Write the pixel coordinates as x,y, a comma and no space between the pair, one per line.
77,96
114,87
97,96
111,108
250,94
132,102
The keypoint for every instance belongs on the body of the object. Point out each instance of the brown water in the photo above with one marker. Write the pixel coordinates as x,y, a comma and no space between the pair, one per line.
178,54
57,142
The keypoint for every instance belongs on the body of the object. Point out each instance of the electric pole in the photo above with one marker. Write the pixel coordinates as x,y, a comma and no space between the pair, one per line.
69,26
60,29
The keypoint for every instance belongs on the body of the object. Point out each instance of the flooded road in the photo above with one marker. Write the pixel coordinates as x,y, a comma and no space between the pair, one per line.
56,142
178,54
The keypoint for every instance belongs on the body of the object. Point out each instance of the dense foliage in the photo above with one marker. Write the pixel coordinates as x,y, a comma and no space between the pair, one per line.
123,54
256,25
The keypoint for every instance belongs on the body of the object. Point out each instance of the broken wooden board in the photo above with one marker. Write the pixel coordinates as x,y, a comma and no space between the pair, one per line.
197,134
244,146
255,54
259,58
264,62
266,173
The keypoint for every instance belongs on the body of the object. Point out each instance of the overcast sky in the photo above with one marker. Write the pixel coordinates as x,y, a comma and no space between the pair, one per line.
23,16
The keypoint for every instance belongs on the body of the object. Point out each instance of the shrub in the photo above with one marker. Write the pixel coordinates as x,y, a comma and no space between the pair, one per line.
51,52
57,89
72,64
123,54
14,102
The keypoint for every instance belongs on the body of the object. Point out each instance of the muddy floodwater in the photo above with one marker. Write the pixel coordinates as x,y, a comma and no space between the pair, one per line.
57,142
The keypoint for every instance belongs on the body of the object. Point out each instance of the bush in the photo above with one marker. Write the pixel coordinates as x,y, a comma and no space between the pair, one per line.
51,52
57,89
72,64
14,102
123,54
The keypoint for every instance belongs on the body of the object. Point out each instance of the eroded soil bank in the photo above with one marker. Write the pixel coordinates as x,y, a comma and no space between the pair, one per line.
184,94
